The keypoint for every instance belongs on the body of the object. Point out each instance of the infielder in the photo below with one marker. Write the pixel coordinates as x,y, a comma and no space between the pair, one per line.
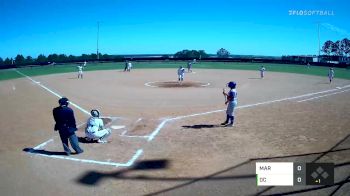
262,72
189,66
95,129
231,102
80,71
181,73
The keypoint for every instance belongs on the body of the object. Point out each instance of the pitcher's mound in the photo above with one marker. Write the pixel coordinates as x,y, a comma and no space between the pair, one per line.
176,84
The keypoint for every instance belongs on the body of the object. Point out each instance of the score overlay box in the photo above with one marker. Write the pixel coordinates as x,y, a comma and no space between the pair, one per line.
290,174
274,173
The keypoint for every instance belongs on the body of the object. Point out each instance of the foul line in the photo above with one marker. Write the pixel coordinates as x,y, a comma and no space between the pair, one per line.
127,164
162,124
52,92
322,96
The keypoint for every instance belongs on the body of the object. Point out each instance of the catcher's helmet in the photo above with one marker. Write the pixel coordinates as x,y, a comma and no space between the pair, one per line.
63,101
231,84
95,113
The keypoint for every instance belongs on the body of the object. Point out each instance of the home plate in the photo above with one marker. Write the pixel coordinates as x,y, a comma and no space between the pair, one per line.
117,126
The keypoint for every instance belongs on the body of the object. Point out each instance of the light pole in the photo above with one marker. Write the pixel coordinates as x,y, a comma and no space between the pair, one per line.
319,42
98,32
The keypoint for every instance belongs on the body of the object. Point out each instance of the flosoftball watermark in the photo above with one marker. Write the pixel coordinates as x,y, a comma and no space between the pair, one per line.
311,12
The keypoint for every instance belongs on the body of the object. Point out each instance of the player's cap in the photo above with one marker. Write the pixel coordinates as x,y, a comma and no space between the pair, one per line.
232,84
63,101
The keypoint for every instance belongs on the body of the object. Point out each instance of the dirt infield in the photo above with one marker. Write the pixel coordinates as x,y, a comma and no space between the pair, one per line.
172,143
176,84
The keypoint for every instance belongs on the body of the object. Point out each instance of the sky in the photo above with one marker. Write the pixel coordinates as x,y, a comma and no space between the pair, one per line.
243,27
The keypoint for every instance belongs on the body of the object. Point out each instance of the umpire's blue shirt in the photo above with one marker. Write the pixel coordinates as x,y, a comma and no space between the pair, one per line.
65,121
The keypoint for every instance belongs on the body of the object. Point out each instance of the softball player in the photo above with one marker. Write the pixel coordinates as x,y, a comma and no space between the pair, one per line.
181,73
330,75
231,102
189,67
95,128
262,72
80,71
129,67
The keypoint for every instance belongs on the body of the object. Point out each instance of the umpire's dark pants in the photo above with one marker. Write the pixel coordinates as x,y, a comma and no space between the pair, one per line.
73,142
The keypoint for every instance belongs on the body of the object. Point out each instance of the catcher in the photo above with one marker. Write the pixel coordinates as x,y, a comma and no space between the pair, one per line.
231,102
95,129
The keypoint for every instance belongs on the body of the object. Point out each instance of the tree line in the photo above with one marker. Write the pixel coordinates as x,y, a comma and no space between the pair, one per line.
41,59
337,48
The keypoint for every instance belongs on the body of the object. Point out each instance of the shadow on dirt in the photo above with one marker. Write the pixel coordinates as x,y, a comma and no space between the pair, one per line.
201,126
93,178
45,152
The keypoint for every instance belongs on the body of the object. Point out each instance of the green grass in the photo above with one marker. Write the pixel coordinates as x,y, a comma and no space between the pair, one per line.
299,69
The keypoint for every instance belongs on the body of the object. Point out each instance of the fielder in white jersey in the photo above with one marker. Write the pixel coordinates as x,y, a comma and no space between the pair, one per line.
330,75
95,128
129,67
80,71
84,63
181,73
262,72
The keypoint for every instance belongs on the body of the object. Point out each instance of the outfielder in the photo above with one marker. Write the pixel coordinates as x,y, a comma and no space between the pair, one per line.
95,129
80,71
231,102
129,66
330,75
262,72
181,73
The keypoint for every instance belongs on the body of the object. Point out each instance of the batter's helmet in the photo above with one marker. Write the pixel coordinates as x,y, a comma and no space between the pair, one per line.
63,101
231,84
95,113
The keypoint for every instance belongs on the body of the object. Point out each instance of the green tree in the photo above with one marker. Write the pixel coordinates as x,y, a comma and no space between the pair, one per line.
41,59
1,61
19,60
202,54
189,54
345,46
52,58
327,47
62,58
29,60
223,53
8,61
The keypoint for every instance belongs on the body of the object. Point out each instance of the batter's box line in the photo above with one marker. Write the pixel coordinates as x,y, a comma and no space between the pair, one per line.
130,162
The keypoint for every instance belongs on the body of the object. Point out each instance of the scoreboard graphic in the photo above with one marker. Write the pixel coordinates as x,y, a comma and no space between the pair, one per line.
290,174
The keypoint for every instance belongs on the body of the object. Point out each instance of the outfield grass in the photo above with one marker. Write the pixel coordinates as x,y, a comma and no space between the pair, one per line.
299,69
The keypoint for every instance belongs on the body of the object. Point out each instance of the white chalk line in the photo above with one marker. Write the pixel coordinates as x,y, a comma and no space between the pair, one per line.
131,161
162,124
42,144
318,97
52,92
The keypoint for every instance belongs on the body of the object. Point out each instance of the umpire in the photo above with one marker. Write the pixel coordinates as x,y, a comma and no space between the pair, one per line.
65,125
